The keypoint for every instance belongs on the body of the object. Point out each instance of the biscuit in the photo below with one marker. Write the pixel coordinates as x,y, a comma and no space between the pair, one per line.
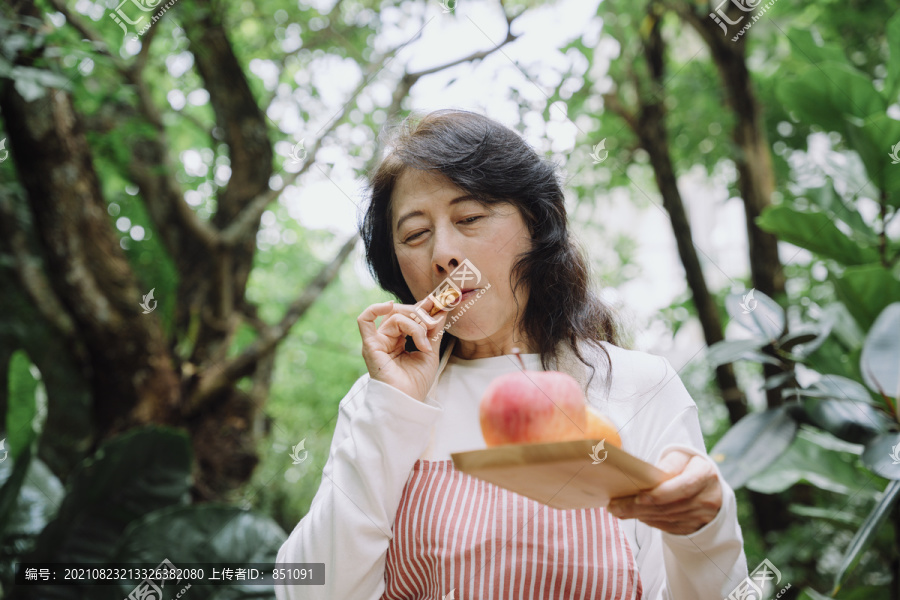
445,299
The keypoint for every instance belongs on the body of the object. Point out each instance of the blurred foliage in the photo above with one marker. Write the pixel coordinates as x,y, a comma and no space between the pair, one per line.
826,73
860,262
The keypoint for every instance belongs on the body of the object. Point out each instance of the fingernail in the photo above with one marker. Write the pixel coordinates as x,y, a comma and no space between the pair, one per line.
642,500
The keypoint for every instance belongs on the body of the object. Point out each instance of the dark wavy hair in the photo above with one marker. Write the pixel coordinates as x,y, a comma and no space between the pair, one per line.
495,165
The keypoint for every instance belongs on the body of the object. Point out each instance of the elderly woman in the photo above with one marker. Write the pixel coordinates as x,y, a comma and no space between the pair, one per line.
392,518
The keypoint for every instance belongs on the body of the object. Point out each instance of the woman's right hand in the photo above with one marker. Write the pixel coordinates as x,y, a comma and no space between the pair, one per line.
384,346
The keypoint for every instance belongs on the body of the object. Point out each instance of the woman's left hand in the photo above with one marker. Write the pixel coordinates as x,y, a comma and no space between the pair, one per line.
680,505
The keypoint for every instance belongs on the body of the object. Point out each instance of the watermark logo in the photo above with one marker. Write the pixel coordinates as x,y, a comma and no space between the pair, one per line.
721,19
298,153
758,582
448,6
4,153
600,154
295,452
3,447
894,154
146,303
121,18
895,454
165,572
749,303
595,456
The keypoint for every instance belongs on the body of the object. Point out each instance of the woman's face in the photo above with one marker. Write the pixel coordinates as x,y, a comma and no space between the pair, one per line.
436,226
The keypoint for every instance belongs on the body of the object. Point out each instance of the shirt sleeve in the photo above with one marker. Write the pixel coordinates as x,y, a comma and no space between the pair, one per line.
708,563
379,435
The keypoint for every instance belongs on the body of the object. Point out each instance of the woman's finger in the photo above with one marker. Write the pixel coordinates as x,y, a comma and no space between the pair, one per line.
366,320
399,324
690,482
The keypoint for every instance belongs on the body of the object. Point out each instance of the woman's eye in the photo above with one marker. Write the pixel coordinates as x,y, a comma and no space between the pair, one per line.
413,236
471,219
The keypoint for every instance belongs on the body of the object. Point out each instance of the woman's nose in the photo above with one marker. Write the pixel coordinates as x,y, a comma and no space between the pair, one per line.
446,266
446,254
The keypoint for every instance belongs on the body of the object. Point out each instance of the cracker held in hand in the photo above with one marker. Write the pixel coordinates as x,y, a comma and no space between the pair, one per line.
447,297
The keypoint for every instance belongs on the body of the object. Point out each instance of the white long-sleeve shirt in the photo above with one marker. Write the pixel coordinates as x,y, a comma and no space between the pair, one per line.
381,432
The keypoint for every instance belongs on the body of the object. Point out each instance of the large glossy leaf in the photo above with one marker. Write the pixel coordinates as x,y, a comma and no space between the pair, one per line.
827,199
26,506
803,341
757,313
128,477
24,390
40,496
828,93
753,443
892,35
855,422
202,534
863,538
12,476
868,140
843,517
833,386
866,291
882,455
880,360
816,232
818,459
812,49
728,351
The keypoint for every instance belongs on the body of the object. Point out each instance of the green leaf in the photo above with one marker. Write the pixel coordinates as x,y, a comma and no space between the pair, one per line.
873,141
880,359
828,93
803,42
812,459
753,443
795,338
866,291
826,514
855,422
806,339
811,594
129,476
16,470
23,393
864,536
757,313
728,351
892,35
834,386
816,232
827,199
882,455
778,380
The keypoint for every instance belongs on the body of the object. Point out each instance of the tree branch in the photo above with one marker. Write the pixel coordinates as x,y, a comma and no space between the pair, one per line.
219,376
28,268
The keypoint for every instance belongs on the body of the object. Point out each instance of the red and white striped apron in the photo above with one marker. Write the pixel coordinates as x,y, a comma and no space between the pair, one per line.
456,533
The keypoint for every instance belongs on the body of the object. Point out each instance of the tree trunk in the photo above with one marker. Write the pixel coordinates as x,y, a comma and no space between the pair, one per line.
769,511
756,176
650,128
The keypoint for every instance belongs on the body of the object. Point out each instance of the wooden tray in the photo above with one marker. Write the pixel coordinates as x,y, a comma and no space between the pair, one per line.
562,474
